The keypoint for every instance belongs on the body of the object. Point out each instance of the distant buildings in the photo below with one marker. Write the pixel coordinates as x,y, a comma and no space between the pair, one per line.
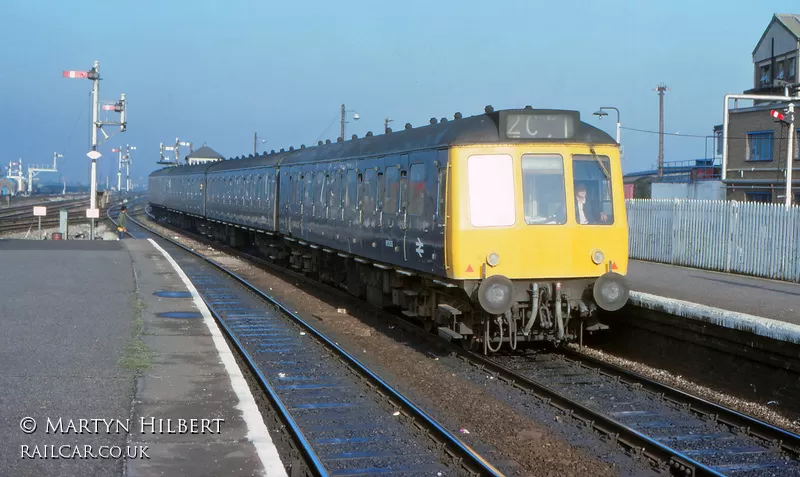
757,143
203,155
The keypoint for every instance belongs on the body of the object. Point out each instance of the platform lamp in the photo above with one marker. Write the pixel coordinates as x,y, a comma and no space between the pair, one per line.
601,114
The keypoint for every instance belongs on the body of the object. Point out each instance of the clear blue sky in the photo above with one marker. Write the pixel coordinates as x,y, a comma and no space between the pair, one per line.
217,71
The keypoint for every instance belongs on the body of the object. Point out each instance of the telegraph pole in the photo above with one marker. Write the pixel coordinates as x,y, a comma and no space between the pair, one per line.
661,88
255,144
343,121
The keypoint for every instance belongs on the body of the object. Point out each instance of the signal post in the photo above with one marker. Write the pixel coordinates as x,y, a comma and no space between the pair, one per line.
94,155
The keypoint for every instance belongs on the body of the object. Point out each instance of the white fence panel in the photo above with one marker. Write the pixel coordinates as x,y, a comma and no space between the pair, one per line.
749,238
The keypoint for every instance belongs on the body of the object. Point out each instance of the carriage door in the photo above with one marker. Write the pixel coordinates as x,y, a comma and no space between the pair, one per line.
295,205
422,238
395,214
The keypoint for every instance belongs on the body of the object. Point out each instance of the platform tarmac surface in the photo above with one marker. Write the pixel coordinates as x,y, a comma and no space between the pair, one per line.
83,338
740,293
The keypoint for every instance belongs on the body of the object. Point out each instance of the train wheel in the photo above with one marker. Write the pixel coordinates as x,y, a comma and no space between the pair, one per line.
469,343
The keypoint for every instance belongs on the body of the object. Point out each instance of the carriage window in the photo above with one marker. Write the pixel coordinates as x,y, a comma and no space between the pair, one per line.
309,189
593,195
370,189
299,182
391,203
379,196
351,200
416,192
543,193
491,190
333,193
321,187
320,194
441,194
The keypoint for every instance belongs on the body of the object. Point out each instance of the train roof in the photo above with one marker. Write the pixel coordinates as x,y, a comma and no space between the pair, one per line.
181,170
486,128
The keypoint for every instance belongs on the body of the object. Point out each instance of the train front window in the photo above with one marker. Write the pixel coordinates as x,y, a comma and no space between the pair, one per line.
593,195
543,193
491,190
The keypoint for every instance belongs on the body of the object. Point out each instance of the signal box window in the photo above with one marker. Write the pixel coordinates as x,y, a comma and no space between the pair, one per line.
416,193
765,197
759,146
491,190
543,193
593,200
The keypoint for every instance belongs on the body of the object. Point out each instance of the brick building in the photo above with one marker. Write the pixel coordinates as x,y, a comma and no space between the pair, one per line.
757,143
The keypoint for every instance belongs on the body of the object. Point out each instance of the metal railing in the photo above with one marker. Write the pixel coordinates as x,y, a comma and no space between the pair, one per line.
749,238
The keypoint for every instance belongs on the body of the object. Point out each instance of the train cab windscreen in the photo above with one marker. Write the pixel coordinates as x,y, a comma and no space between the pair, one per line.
543,189
592,181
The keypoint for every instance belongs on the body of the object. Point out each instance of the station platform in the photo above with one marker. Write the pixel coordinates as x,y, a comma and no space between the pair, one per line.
767,307
112,365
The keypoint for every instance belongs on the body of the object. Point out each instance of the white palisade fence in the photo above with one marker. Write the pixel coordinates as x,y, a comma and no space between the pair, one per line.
749,238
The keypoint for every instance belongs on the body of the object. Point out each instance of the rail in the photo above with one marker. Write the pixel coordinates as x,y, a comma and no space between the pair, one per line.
466,456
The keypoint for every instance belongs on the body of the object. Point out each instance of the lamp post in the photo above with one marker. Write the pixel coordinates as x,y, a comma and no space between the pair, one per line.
601,113
356,117
255,143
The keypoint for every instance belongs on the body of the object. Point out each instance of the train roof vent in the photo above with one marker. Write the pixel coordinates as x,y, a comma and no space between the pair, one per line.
302,146
408,126
319,143
388,130
488,109
283,150
272,151
443,120
529,107
339,139
327,141
369,134
433,120
354,136
457,116
291,148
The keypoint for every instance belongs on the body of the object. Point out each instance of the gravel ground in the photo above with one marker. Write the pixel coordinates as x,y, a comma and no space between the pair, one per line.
759,411
531,437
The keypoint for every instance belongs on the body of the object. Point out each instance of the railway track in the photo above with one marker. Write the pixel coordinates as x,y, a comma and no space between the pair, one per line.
675,430
344,418
20,219
688,434
21,211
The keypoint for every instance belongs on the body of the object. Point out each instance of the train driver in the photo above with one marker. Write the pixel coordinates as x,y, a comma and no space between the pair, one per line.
586,212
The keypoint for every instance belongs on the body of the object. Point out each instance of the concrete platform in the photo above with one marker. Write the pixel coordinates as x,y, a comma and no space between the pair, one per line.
84,338
764,307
